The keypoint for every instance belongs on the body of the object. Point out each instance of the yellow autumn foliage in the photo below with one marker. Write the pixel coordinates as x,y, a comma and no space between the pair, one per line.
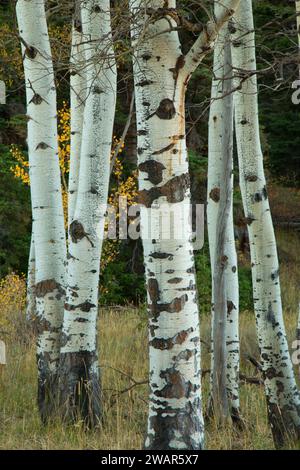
125,187
12,300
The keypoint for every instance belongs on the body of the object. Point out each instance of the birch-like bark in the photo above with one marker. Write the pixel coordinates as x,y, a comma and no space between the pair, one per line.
220,189
30,294
46,198
283,398
77,98
79,372
161,75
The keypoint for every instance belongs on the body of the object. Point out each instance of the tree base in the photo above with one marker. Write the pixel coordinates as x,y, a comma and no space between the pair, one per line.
172,429
284,430
237,419
47,395
79,388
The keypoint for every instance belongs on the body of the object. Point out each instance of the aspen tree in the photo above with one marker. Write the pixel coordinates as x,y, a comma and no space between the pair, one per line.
78,89
282,396
161,75
225,286
46,197
79,370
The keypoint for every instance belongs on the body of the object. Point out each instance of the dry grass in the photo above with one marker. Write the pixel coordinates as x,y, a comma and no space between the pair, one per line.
123,348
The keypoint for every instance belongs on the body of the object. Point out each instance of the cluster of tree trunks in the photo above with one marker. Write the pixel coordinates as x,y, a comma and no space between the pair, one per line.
63,274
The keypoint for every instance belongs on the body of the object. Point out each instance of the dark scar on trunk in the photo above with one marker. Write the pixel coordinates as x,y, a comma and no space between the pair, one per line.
230,307
249,220
179,65
31,52
185,355
175,306
169,343
159,255
36,99
176,386
175,280
77,232
165,111
275,275
42,146
271,316
174,190
164,149
154,170
44,325
167,420
145,83
153,290
43,288
84,307
215,194
251,178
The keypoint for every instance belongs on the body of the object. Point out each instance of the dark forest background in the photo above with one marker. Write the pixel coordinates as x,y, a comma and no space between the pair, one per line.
122,278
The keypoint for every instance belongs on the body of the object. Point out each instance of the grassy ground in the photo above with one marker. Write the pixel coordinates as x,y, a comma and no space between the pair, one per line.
123,354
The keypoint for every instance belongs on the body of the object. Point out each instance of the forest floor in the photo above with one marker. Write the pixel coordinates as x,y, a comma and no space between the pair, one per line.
124,362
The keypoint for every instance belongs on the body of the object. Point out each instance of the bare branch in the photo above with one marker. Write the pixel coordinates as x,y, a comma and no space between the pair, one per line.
204,44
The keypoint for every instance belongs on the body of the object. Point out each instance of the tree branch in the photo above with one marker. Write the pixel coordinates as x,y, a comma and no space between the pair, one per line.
124,134
204,43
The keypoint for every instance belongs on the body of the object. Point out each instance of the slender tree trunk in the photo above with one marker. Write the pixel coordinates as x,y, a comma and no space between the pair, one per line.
47,210
161,74
281,391
79,372
78,96
30,295
220,189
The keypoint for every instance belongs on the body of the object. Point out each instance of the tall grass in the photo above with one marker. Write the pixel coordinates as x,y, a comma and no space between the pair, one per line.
124,361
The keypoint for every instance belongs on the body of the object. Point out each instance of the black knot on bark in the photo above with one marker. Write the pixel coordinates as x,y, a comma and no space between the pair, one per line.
215,194
42,146
78,25
154,170
97,9
77,232
31,52
36,99
166,109
97,90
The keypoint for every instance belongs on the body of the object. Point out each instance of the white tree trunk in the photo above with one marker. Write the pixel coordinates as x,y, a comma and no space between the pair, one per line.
219,159
281,391
30,294
77,96
79,373
161,75
47,210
